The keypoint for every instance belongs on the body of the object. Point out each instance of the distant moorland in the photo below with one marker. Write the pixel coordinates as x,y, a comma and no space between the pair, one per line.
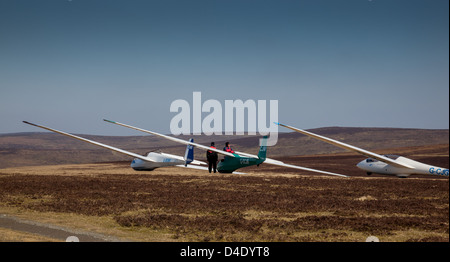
27,149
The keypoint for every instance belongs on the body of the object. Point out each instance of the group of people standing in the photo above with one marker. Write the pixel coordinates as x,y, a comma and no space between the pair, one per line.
213,158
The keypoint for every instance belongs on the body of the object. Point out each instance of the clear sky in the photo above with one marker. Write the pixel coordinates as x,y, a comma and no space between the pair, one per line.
68,64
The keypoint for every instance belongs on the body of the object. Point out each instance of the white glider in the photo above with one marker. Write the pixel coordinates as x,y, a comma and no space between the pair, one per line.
150,162
381,164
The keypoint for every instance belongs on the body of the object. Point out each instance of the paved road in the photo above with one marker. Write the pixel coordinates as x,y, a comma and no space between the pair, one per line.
52,231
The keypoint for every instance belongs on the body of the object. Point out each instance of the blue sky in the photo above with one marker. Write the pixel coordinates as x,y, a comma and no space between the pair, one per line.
69,64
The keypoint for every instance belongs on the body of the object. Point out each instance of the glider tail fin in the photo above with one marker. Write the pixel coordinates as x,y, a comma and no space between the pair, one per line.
263,148
189,154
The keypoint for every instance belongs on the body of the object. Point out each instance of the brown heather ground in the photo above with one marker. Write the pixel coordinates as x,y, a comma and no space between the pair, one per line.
267,204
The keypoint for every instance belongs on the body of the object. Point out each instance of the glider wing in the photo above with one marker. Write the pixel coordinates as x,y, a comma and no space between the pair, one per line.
173,138
94,142
349,147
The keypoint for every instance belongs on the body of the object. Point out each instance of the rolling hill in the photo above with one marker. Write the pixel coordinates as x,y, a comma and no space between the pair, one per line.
27,149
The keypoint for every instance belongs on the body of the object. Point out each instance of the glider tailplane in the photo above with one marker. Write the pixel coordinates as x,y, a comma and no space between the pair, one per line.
263,149
189,154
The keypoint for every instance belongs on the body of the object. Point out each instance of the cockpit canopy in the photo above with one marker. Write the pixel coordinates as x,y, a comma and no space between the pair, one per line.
393,157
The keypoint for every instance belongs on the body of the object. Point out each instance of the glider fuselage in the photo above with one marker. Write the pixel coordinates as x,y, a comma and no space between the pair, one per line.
160,160
371,165
230,164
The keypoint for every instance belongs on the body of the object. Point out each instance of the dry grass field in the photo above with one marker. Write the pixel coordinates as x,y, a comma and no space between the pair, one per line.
267,204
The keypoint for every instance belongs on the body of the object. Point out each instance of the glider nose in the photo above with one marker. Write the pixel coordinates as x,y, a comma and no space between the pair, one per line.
361,164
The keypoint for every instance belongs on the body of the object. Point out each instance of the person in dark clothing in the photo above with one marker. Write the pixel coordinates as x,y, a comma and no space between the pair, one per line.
212,158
